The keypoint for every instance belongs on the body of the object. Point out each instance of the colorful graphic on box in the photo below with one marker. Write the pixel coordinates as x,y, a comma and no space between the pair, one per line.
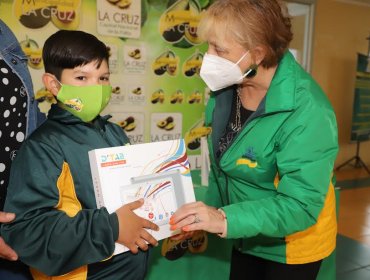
178,160
159,199
112,159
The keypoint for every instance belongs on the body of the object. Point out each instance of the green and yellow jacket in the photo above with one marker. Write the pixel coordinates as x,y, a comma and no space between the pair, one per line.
58,229
275,181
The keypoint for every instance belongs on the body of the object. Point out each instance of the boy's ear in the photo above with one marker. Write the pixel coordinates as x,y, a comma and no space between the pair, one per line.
51,83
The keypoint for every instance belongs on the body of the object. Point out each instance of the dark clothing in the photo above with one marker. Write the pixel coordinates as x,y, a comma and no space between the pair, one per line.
58,228
244,267
23,121
13,109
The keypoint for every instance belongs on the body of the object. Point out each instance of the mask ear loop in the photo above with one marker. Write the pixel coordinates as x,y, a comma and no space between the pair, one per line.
251,71
55,85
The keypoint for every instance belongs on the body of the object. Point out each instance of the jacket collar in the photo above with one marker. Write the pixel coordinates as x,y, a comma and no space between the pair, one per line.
281,93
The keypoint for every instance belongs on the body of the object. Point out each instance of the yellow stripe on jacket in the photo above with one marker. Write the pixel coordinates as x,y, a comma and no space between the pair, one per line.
318,241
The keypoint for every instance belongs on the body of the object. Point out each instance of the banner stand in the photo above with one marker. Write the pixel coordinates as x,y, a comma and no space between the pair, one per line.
358,163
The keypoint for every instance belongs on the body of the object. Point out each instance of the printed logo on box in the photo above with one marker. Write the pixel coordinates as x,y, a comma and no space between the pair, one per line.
112,159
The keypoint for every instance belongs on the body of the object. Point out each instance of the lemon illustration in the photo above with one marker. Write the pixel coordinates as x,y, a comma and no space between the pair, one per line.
157,96
177,97
195,97
192,65
166,62
192,138
33,52
44,95
32,14
179,23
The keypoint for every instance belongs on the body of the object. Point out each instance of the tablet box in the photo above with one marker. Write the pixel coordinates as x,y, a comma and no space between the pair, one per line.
159,172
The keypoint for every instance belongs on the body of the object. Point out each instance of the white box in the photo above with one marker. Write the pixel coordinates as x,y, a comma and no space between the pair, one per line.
159,172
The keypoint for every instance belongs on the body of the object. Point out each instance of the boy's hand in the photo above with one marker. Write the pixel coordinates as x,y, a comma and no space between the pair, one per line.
132,231
5,251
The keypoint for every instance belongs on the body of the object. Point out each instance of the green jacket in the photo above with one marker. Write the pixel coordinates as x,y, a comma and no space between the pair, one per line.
275,181
58,228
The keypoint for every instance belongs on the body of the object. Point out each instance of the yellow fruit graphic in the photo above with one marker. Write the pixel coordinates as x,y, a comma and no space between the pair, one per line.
66,18
130,127
136,54
137,91
122,4
191,31
195,97
157,96
75,104
166,124
169,126
172,249
177,97
179,23
128,124
116,90
192,65
199,242
44,95
193,136
36,14
33,52
166,62
32,14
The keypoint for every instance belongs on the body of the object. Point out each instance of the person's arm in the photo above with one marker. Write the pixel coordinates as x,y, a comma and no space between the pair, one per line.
46,238
305,162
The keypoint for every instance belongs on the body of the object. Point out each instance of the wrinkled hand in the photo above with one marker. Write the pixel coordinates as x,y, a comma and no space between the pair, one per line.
5,251
198,216
132,231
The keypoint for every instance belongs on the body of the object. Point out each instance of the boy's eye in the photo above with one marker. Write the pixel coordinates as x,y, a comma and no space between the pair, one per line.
81,78
106,79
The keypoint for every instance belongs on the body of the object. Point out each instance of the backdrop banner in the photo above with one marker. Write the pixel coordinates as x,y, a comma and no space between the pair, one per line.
361,105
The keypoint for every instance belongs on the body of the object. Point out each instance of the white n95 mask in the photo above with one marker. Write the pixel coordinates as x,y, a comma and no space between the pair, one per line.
219,73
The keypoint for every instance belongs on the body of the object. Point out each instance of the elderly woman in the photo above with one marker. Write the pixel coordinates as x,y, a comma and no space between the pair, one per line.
272,147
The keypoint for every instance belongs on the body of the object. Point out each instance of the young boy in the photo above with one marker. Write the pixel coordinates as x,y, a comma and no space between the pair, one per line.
58,230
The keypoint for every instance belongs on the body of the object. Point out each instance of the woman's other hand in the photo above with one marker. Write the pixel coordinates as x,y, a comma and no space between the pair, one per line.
198,216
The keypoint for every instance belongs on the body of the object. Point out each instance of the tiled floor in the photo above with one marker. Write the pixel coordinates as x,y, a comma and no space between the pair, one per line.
353,246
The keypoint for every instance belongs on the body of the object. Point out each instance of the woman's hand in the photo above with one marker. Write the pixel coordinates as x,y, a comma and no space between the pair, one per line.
182,236
198,216
132,228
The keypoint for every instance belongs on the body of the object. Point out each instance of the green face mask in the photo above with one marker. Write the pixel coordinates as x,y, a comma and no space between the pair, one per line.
84,102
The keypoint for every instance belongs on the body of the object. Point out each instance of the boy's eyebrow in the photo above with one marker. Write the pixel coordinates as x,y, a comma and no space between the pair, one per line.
87,72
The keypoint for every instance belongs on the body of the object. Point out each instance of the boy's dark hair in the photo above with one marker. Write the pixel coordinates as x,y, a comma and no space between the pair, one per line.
68,49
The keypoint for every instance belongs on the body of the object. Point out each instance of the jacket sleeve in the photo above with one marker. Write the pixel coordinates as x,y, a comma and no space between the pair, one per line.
307,148
213,195
46,238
